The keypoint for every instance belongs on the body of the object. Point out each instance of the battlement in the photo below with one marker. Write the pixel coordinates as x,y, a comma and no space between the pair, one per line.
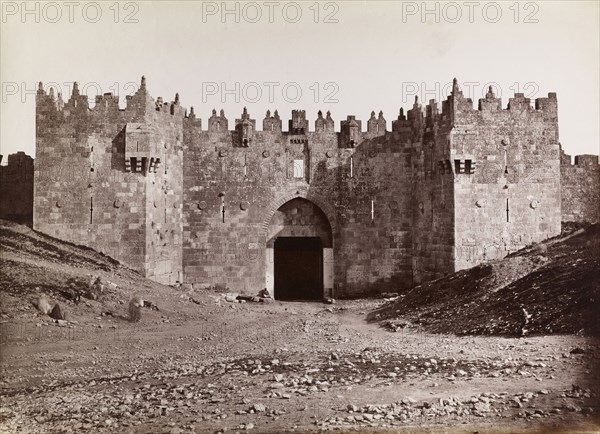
272,123
456,105
298,123
139,104
324,125
245,128
584,160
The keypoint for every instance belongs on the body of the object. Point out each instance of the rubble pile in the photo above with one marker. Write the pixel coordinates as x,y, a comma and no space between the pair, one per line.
545,289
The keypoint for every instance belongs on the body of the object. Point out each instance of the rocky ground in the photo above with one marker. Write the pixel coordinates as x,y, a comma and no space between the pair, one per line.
201,363
549,288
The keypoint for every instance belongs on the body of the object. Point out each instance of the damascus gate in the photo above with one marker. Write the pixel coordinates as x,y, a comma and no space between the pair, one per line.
307,211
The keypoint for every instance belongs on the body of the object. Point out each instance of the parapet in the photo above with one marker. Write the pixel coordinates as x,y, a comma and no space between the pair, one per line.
107,102
141,103
490,103
586,160
376,125
218,124
350,130
324,125
415,115
272,124
245,128
298,124
457,103
401,124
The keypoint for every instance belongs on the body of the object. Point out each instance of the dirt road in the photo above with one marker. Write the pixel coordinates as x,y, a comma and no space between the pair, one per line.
286,367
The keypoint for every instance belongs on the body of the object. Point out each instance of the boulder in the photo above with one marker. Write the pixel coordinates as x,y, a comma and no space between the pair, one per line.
150,305
135,309
95,288
264,293
231,297
57,312
42,304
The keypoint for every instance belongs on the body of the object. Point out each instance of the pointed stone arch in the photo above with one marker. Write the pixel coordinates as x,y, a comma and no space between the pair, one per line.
284,197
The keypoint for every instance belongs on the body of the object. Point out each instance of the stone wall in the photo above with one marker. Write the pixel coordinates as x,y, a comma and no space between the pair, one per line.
580,188
182,203
16,189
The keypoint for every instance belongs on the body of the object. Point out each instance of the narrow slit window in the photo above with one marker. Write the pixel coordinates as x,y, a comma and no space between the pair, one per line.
91,210
351,167
223,209
507,210
372,210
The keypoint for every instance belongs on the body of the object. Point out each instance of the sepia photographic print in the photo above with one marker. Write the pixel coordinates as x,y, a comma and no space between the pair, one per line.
299,217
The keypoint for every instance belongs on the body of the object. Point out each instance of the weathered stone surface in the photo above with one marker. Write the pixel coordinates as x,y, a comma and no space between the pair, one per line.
89,192
442,191
16,188
580,188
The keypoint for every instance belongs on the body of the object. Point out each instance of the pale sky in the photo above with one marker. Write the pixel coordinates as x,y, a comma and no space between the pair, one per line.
360,56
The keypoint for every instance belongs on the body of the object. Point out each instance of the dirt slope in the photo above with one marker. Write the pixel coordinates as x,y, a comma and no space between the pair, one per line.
557,283
32,263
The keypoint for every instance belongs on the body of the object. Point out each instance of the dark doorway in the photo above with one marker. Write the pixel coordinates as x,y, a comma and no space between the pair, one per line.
298,268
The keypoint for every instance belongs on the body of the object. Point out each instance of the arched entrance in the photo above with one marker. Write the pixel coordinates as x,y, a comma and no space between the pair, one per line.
299,252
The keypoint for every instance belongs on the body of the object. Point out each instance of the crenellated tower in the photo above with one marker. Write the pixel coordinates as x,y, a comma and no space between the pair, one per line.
110,178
